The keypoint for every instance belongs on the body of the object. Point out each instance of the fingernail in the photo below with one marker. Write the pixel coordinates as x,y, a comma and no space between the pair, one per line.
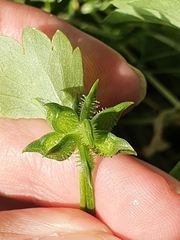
81,236
143,84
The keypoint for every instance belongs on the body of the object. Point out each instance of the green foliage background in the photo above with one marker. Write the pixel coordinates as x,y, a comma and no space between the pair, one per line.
147,34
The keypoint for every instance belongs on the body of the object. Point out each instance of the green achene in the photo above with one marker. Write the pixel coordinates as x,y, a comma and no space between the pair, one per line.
85,130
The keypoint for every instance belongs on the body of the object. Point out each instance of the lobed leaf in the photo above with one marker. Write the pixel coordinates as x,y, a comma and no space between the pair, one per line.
166,12
40,68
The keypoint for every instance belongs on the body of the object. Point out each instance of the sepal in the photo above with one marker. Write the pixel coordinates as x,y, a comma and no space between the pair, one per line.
107,144
87,133
108,118
64,148
88,105
45,143
61,118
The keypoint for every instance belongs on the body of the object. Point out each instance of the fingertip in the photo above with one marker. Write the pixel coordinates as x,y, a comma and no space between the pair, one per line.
173,183
38,223
82,236
135,197
142,84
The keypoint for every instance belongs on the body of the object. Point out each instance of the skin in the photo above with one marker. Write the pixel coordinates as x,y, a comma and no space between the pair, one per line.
39,197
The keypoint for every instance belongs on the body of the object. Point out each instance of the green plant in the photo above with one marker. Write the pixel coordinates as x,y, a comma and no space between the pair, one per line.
147,34
56,74
86,131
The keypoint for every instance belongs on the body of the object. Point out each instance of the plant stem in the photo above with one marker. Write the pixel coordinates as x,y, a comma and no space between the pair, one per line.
163,90
85,177
82,187
153,80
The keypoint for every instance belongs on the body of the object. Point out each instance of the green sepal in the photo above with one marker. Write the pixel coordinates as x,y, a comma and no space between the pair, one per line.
61,118
88,105
108,118
87,133
45,143
64,148
107,144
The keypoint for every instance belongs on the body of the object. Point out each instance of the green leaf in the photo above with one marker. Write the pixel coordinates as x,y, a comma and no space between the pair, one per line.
61,118
108,118
64,148
40,68
166,12
175,171
44,144
107,144
88,105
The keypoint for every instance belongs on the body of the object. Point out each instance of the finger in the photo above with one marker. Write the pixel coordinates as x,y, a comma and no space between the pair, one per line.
52,223
145,200
172,182
130,198
118,81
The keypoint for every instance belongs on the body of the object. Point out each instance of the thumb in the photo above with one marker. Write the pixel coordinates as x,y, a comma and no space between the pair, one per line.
51,223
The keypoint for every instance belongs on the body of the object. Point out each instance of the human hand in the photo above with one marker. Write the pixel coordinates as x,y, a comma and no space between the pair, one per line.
138,204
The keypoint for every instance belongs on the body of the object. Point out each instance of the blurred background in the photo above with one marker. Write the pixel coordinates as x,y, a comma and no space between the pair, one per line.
148,36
